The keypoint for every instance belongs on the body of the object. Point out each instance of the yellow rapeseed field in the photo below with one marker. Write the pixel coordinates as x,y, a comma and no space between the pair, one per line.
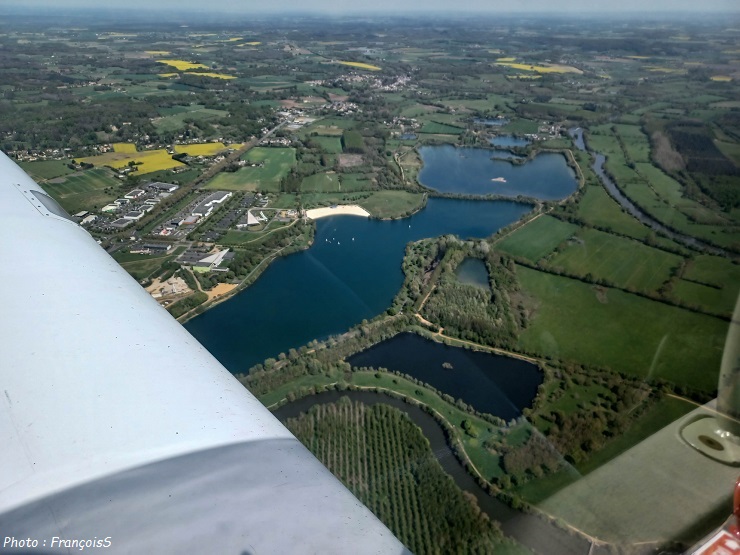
721,78
361,65
209,74
550,68
168,74
158,52
505,59
146,162
182,65
200,149
124,147
661,69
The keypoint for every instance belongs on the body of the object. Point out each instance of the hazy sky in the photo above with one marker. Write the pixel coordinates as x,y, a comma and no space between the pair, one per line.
397,6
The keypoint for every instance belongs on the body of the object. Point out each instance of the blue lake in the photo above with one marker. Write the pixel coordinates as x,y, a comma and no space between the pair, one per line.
470,170
352,272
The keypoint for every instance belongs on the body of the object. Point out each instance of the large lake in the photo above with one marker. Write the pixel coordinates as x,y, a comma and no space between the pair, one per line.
470,170
495,384
352,272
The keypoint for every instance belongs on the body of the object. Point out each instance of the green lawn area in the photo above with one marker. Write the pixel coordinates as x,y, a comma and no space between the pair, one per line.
321,183
84,190
275,164
381,204
574,321
625,262
357,182
332,145
537,238
46,169
237,237
392,204
141,266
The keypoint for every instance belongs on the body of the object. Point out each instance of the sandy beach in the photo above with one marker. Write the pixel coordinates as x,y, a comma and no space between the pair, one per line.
349,209
220,289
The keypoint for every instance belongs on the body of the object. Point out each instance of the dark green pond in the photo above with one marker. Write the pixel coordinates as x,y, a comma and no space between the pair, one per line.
495,384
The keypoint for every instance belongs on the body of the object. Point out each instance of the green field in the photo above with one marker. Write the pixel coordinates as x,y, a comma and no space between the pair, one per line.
434,128
572,320
658,194
635,142
142,266
624,262
385,460
710,282
332,145
176,120
357,182
240,238
646,198
392,204
321,183
276,163
84,190
46,169
537,238
596,207
671,192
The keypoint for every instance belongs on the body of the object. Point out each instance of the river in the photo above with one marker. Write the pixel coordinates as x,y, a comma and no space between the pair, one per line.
530,530
633,209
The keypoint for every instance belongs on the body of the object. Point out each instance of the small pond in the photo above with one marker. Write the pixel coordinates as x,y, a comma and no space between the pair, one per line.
496,384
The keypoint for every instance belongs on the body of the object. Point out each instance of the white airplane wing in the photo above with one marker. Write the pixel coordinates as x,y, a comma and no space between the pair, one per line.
119,430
